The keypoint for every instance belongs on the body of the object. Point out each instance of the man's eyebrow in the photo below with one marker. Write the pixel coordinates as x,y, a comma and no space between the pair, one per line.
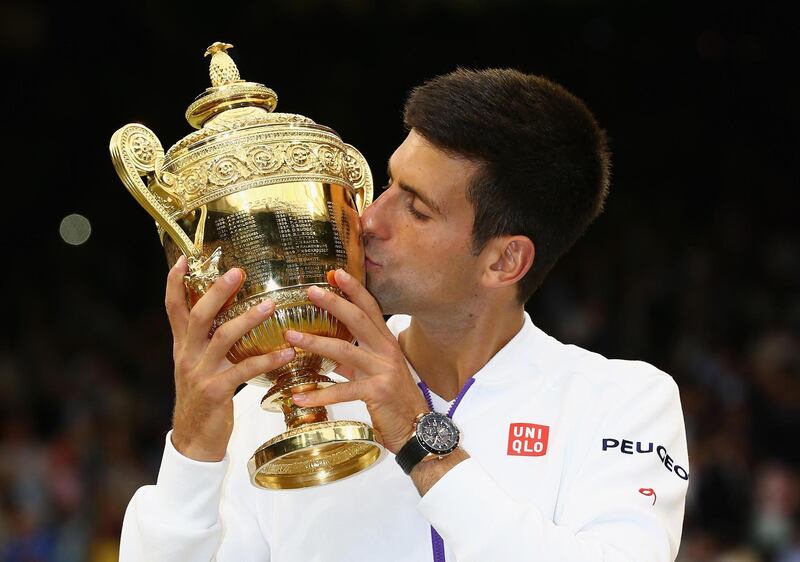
413,191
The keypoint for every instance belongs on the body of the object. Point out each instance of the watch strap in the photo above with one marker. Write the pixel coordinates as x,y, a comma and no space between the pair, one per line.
411,454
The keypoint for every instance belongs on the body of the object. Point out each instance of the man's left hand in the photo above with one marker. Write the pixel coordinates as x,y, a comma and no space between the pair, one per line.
376,369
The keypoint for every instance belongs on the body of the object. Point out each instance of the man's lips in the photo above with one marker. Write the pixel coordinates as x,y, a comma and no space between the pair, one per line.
368,262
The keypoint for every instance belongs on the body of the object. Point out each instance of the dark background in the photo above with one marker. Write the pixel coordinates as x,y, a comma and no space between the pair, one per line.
693,267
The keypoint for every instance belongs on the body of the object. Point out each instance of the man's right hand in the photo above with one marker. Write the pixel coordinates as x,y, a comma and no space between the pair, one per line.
205,380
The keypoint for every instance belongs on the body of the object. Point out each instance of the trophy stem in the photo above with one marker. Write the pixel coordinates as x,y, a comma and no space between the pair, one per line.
313,450
280,397
296,416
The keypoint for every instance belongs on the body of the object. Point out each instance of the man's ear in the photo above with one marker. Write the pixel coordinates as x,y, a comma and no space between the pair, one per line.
508,259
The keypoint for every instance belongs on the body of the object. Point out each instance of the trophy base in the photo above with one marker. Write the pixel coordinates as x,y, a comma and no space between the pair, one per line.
314,454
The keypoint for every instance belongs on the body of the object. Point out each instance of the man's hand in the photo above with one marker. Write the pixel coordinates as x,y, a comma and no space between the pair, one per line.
205,380
376,368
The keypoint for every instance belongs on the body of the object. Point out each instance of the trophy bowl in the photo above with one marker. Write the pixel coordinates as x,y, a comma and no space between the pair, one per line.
278,196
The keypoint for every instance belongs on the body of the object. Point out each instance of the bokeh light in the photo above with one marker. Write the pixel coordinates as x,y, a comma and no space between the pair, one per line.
75,229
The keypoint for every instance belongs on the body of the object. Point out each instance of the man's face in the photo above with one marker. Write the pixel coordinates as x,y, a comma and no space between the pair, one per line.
418,233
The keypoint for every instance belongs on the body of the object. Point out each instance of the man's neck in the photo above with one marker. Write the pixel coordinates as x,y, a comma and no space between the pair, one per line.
446,351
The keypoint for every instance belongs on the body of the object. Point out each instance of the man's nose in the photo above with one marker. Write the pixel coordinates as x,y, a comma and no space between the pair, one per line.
373,219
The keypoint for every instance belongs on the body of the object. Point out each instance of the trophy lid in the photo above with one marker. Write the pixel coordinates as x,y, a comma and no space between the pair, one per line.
228,90
231,103
241,142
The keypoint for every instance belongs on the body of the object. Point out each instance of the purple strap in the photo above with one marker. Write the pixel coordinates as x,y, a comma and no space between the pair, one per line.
426,393
458,399
436,539
438,546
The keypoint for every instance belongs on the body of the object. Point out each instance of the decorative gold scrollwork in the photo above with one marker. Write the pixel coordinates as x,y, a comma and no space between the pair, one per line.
330,158
143,150
226,169
264,159
192,181
300,157
359,174
136,152
214,170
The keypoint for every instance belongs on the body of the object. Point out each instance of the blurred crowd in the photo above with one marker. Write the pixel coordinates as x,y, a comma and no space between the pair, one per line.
713,301
86,382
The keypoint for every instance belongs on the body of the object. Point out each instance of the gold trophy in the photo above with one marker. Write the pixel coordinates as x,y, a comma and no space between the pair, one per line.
278,196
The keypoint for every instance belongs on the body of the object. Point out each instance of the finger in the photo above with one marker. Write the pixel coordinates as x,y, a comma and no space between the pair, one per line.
357,320
254,366
175,300
207,308
363,299
341,351
232,330
340,392
345,371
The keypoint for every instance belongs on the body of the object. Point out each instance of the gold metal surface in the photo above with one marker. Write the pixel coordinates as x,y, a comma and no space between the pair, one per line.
278,196
314,454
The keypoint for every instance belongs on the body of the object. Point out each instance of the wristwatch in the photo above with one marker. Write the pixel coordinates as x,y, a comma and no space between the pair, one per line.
435,435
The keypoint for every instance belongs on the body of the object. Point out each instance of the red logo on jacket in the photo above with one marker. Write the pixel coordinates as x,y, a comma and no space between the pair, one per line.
528,439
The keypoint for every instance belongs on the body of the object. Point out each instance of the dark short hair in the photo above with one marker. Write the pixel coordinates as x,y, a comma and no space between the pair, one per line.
544,160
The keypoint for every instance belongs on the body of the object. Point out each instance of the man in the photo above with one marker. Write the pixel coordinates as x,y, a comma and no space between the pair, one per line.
564,455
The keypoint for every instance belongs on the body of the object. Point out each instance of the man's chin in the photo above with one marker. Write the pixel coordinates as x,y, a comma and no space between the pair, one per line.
386,296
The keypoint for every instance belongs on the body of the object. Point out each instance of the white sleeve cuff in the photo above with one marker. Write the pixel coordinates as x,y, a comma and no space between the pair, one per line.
444,506
190,490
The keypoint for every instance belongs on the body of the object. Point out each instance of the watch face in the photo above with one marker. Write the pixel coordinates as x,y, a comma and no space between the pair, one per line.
437,433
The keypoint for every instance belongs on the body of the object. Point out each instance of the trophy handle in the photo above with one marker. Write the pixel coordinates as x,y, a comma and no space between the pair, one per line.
360,175
137,152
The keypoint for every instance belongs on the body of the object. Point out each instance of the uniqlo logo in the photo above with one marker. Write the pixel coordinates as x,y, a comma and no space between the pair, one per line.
528,439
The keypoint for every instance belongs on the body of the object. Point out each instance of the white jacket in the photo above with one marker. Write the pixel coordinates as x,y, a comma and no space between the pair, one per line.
573,457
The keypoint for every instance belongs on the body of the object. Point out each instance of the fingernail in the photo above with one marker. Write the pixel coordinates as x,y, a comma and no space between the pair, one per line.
343,275
287,353
265,306
315,291
292,336
181,263
299,397
232,276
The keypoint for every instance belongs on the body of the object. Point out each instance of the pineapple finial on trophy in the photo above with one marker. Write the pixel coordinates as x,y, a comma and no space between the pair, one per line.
222,70
227,91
